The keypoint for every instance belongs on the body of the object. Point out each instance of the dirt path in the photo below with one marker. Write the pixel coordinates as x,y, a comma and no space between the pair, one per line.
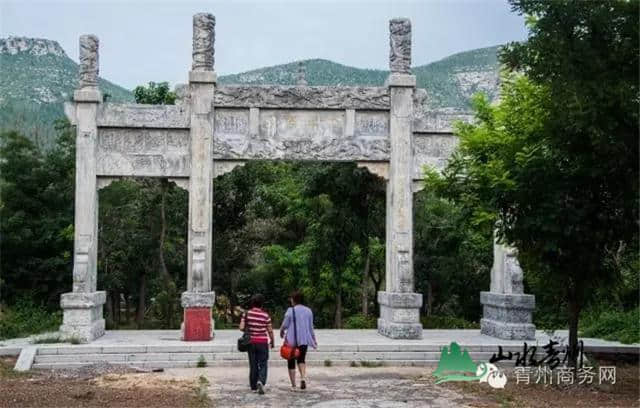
329,387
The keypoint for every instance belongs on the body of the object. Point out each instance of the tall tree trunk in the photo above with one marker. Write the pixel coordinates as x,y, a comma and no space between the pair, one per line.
574,317
109,311
429,302
337,322
127,305
142,292
376,284
365,285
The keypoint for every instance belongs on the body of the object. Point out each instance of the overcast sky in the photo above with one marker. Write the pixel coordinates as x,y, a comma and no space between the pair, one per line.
143,41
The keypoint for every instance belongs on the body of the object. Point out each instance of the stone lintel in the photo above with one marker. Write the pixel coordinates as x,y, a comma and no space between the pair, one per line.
510,301
197,299
302,97
87,95
82,300
401,80
208,77
400,300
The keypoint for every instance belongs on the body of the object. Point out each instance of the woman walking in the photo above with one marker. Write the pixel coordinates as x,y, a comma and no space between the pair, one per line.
297,329
258,324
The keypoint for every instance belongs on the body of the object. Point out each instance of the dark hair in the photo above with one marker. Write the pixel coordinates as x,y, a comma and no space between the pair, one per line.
257,300
297,297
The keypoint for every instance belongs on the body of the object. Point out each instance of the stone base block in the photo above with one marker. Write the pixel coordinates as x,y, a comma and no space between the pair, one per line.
507,316
508,331
197,299
400,315
82,315
197,324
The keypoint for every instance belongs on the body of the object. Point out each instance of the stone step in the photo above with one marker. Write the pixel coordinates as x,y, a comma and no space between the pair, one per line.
239,363
124,349
318,355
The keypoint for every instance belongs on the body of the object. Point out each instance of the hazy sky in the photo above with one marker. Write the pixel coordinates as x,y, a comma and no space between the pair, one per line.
143,41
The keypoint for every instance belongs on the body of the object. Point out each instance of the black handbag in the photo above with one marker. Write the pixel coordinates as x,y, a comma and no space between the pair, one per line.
245,339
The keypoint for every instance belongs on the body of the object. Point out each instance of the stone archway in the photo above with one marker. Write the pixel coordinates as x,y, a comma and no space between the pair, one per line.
215,128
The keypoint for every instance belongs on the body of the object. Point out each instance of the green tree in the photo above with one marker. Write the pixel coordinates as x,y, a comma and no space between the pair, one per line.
557,158
154,94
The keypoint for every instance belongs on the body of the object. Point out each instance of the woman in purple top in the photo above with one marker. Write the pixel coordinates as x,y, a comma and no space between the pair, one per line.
305,336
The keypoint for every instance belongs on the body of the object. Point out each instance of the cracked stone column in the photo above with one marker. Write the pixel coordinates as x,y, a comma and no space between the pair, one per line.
198,299
507,311
399,305
82,308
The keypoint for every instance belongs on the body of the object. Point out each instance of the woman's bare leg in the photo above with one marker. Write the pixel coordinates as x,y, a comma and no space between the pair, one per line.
303,371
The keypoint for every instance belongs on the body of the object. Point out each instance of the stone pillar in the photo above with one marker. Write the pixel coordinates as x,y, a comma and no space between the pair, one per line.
198,299
506,309
82,308
399,306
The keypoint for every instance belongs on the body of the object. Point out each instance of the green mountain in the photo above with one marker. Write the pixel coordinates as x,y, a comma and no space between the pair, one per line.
36,78
449,82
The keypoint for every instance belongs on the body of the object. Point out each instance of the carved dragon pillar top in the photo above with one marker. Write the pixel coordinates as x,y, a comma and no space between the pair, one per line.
400,42
203,42
89,62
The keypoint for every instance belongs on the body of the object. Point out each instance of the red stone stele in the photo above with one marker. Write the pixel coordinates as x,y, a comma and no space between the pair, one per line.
197,324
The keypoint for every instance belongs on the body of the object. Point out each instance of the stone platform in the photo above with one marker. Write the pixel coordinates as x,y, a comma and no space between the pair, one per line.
163,348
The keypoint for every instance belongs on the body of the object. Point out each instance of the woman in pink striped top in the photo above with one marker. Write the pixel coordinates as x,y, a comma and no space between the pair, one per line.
258,323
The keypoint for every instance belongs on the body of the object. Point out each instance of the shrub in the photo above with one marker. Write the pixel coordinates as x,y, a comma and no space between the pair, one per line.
328,363
360,321
447,322
26,318
613,325
202,362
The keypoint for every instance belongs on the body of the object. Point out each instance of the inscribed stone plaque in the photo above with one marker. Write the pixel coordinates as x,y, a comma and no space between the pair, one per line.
143,152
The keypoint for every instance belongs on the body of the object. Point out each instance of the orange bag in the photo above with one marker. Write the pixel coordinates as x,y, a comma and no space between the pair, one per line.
288,351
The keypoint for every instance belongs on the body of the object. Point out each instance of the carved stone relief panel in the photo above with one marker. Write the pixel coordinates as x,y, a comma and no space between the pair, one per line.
143,152
433,150
300,135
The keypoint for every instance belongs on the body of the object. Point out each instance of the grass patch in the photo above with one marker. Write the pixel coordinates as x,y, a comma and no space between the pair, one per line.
371,364
360,321
201,363
353,364
613,325
26,318
328,363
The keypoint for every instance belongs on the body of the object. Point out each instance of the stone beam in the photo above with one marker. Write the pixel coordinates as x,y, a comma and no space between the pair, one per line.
143,116
433,150
301,97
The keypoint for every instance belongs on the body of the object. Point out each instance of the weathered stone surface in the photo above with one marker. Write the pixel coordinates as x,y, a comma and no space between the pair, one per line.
89,64
507,331
427,119
506,273
221,168
143,116
301,97
412,331
400,45
143,152
400,300
82,300
82,315
380,169
299,135
197,299
203,42
432,150
25,360
512,301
